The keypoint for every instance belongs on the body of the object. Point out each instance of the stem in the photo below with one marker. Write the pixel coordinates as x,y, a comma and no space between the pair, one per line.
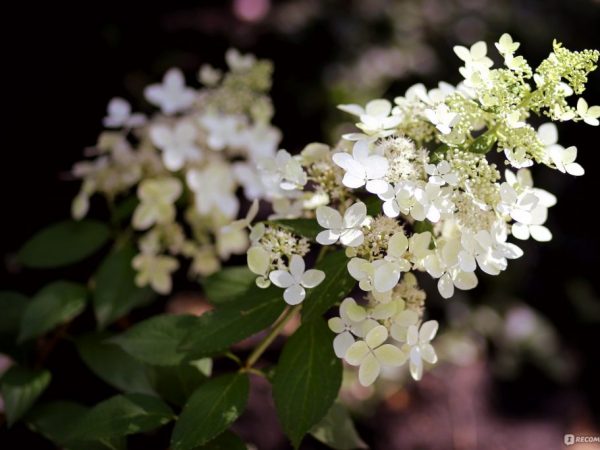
269,338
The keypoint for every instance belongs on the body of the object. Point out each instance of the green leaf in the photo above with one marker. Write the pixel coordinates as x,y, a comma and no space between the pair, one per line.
225,441
220,328
374,205
210,410
307,379
438,153
56,421
176,383
421,226
337,430
122,415
63,243
228,285
110,363
53,305
125,208
12,306
157,340
20,388
308,228
483,143
337,284
115,291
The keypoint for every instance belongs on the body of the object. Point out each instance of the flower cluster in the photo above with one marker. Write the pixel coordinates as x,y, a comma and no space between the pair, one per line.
422,166
178,163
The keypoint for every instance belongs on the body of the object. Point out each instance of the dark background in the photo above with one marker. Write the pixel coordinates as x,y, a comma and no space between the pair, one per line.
63,64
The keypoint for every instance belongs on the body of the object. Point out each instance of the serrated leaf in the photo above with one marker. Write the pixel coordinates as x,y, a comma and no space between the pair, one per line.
63,243
12,306
53,305
110,363
122,415
308,228
115,292
176,383
56,420
157,340
337,284
210,410
228,285
337,430
225,441
20,388
307,379
220,328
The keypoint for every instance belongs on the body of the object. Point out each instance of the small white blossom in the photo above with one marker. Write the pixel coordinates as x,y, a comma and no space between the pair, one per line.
346,229
157,202
296,279
363,169
564,160
155,270
441,174
506,45
214,188
418,342
375,117
119,115
238,62
172,96
223,129
178,144
588,114
283,172
475,56
372,353
442,118
346,328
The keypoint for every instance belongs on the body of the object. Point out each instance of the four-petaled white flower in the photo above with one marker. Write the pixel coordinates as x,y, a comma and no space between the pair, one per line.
155,270
296,279
475,57
157,202
363,169
374,117
214,189
418,343
564,160
372,353
282,172
588,114
441,174
442,118
119,115
172,96
346,229
346,328
506,45
223,129
178,144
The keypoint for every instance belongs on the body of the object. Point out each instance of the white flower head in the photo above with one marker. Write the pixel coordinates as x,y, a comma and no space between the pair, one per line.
372,353
363,169
172,96
420,349
296,279
442,118
374,117
441,174
475,57
178,144
347,229
346,328
564,160
588,114
119,115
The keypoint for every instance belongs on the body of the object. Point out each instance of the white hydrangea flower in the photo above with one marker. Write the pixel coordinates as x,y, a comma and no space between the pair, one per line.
347,229
283,172
223,129
214,188
518,157
157,202
506,45
432,203
372,353
178,144
238,62
588,114
418,342
172,96
379,276
476,56
296,279
363,169
346,328
442,118
155,270
247,175
445,264
375,117
564,160
370,316
441,174
119,115
401,323
399,199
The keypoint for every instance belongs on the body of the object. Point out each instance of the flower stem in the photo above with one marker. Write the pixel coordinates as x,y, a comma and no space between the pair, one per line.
269,338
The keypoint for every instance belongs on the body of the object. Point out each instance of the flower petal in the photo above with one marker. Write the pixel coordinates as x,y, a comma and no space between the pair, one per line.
356,353
342,342
294,295
390,355
328,217
312,278
376,336
281,278
297,267
369,370
428,331
354,215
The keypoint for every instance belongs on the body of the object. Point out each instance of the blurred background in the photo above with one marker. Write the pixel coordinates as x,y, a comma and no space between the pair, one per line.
521,361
